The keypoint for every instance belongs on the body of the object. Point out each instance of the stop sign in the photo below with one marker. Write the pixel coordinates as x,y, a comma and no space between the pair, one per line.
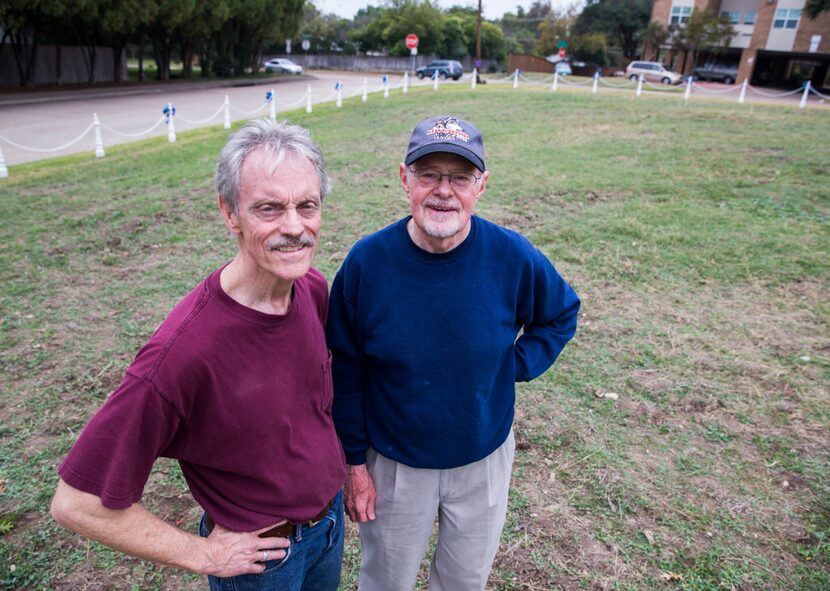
562,52
412,41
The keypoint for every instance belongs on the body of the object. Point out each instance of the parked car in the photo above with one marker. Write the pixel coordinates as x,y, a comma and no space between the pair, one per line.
653,72
445,68
283,65
726,73
563,68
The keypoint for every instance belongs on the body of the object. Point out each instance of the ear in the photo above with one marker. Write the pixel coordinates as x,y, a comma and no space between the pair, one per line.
231,219
482,184
402,170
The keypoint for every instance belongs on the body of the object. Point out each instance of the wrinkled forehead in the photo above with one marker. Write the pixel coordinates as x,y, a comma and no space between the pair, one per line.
268,159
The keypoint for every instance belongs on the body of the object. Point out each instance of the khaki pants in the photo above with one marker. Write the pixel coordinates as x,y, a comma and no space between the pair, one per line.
471,503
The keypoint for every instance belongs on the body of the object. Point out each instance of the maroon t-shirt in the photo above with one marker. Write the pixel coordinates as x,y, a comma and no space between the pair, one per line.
241,398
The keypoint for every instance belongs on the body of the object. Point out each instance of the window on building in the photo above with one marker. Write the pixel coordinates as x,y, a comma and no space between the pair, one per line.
749,17
786,18
733,17
680,14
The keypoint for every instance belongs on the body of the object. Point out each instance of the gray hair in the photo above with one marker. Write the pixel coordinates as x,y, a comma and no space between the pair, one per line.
276,139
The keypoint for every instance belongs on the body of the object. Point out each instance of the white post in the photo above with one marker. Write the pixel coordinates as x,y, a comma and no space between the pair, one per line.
365,96
803,102
385,86
596,81
99,143
308,100
4,172
639,85
555,81
227,113
688,92
273,105
475,77
435,80
516,78
171,128
405,82
743,92
339,102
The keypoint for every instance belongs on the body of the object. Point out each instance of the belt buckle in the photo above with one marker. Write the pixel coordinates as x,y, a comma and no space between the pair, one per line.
313,522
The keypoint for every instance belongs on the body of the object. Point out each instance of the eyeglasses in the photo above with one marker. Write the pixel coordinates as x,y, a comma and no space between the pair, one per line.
432,178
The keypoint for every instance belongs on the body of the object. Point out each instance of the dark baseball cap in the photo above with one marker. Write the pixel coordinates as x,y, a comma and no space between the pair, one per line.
445,133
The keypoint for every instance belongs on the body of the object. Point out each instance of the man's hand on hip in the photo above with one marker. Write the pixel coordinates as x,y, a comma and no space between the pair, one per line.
234,553
359,494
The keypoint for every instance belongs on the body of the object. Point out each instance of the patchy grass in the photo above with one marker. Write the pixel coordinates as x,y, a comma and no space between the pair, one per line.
698,238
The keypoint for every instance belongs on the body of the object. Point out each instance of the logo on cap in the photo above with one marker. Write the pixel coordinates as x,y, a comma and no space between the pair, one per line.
448,129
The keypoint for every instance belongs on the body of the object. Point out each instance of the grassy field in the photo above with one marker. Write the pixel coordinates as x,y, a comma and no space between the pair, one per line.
698,238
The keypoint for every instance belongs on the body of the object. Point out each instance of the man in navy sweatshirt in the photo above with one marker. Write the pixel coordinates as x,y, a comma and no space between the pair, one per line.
423,323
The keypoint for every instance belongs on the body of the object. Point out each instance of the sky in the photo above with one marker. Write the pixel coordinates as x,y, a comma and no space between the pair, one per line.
491,9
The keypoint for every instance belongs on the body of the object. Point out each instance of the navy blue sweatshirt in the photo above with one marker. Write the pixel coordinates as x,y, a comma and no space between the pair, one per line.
425,354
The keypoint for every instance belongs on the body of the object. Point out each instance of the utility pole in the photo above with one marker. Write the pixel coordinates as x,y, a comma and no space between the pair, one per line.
478,40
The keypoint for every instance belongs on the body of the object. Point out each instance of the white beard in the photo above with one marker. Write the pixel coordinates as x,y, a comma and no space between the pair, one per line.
442,229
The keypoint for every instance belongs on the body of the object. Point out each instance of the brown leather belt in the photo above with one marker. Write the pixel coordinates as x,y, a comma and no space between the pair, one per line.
282,530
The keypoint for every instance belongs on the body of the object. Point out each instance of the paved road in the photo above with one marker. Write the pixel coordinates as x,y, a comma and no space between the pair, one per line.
47,120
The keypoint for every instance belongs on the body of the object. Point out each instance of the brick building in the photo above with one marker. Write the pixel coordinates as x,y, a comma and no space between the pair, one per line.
776,44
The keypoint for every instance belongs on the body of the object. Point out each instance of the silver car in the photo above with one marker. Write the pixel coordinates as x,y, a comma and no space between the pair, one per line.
653,72
726,73
283,65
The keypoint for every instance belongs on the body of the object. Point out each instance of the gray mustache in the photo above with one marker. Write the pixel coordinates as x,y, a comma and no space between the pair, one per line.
301,240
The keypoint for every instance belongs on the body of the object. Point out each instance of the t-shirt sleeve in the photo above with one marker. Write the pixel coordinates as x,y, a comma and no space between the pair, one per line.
113,456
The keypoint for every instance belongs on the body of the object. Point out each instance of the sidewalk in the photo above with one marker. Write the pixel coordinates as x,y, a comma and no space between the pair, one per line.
46,123
17,96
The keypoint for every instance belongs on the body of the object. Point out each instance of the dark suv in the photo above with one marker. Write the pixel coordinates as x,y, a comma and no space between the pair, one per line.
726,73
445,68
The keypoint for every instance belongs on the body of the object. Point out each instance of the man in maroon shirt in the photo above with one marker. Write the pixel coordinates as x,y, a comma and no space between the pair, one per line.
236,385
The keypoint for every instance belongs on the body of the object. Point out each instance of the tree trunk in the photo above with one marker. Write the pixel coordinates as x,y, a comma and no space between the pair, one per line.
3,41
24,57
141,57
18,60
93,62
204,59
256,59
187,57
118,58
158,56
59,62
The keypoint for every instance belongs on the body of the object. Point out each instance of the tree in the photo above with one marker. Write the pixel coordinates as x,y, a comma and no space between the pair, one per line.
590,47
492,37
456,43
388,27
493,45
703,30
119,21
813,8
21,23
327,32
554,29
165,29
651,38
620,20
520,32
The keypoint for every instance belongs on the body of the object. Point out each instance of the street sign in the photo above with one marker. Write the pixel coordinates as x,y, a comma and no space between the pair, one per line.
412,41
562,52
562,43
306,44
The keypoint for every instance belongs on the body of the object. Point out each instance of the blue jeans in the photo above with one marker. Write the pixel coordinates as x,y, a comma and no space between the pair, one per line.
311,563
